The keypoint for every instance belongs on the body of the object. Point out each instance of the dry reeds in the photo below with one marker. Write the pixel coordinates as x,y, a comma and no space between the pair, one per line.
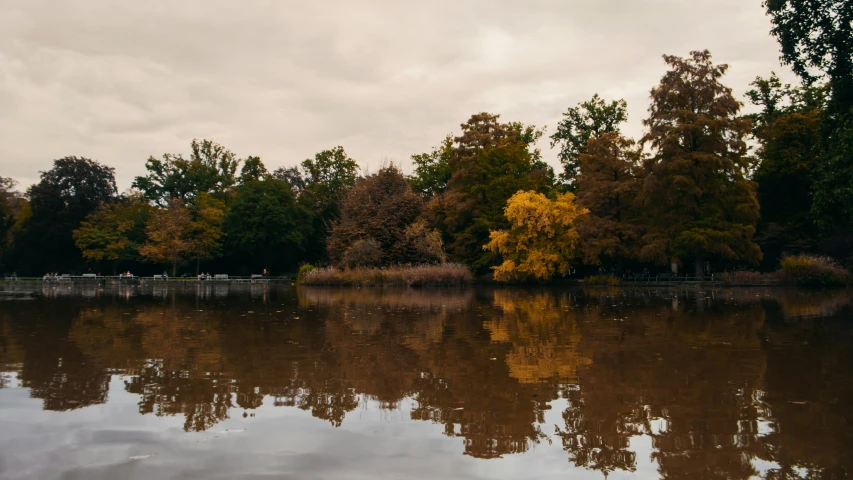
813,271
447,274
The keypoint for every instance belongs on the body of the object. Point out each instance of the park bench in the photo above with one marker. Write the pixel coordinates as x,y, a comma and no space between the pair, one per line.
64,278
220,276
160,277
89,275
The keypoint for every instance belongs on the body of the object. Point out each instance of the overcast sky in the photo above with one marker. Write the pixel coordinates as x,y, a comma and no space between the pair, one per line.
120,81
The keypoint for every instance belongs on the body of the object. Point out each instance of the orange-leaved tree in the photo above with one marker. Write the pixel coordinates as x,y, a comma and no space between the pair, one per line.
169,239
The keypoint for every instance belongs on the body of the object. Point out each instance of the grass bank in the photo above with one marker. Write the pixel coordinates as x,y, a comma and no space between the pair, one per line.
445,275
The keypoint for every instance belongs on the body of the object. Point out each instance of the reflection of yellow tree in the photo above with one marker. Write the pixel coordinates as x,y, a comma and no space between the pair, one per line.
543,333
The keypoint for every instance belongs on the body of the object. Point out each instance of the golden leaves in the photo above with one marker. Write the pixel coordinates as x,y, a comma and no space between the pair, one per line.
542,240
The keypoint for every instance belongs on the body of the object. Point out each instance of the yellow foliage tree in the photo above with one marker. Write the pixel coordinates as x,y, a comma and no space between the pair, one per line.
542,240
168,232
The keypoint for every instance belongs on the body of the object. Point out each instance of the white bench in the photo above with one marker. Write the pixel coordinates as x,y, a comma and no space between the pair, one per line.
160,277
89,275
220,276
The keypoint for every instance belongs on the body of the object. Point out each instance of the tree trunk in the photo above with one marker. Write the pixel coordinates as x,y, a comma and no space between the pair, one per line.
698,266
174,268
197,263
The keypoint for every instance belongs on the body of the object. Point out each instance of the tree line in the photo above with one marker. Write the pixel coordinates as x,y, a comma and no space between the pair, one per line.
705,186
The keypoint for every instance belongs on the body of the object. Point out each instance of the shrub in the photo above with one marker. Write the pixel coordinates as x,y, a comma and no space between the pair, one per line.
362,253
747,277
813,271
602,280
304,269
447,274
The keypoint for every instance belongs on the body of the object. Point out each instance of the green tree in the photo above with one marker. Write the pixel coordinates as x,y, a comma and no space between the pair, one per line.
580,124
490,162
816,37
789,129
817,40
328,176
696,197
64,196
383,208
253,169
266,226
11,203
833,192
115,231
432,170
321,183
210,169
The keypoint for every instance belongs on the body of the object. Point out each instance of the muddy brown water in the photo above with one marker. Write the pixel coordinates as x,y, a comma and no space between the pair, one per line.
260,381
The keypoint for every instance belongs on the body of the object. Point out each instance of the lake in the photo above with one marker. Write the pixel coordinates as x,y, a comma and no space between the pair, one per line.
214,381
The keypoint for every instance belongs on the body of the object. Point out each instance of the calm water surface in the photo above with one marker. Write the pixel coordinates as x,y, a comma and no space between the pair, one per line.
220,381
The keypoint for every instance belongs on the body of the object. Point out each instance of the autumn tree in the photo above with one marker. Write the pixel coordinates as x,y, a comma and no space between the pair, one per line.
383,208
211,168
541,241
696,197
266,227
205,230
168,235
608,183
64,196
490,162
115,231
580,124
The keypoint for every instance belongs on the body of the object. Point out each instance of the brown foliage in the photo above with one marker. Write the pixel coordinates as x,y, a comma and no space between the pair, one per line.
168,239
696,196
382,208
608,184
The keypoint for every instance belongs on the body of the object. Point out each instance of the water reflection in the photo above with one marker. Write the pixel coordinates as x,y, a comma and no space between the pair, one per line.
717,380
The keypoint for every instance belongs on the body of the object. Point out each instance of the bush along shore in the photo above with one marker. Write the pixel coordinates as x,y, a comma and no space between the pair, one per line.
443,275
802,270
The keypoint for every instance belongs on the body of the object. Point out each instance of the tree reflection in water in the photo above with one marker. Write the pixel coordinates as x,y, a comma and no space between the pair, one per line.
716,379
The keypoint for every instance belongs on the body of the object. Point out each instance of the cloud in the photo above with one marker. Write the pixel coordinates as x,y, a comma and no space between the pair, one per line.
120,81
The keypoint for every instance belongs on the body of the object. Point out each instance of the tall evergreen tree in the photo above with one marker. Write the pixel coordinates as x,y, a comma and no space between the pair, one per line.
698,202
